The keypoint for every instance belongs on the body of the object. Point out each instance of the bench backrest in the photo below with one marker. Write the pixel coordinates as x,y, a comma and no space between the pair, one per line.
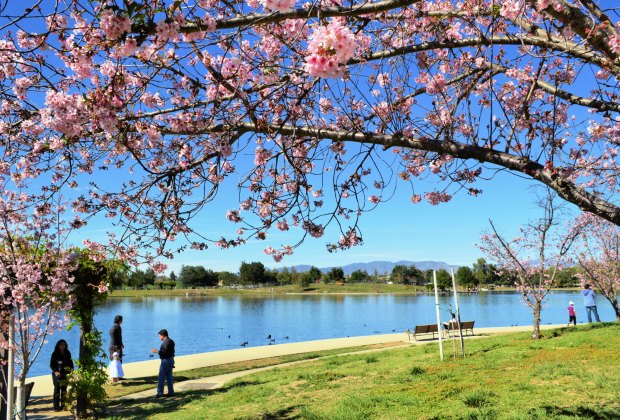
467,325
421,329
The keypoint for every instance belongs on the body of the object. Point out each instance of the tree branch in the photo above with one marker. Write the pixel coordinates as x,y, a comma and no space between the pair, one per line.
565,188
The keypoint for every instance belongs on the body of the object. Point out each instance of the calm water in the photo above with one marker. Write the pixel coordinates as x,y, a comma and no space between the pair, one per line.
200,324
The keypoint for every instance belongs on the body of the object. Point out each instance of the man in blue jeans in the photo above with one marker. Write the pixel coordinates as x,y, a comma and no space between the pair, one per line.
590,303
166,354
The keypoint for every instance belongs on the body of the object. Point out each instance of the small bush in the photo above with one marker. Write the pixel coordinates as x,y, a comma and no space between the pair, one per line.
371,359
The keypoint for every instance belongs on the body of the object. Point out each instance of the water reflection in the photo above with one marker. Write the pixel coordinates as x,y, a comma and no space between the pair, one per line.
202,324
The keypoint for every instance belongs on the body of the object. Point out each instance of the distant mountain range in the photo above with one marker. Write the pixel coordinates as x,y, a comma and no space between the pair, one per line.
381,267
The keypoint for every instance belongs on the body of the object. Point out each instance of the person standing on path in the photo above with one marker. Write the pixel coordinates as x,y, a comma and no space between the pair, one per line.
166,354
589,302
116,369
61,364
572,314
116,338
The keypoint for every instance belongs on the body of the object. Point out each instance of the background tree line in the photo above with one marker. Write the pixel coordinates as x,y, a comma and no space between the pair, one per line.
481,273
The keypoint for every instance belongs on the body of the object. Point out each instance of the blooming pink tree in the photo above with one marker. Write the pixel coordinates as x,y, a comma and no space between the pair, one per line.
143,110
34,281
598,254
535,256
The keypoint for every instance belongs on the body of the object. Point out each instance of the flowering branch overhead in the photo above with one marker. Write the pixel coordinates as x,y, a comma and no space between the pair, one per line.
142,111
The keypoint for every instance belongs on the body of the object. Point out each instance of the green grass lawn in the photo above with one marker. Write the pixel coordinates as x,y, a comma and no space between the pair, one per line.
131,386
570,373
318,288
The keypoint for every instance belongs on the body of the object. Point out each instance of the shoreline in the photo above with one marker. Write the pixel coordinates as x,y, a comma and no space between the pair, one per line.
323,290
44,387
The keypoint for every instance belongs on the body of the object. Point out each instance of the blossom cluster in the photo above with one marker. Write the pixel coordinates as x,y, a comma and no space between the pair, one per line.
114,26
328,47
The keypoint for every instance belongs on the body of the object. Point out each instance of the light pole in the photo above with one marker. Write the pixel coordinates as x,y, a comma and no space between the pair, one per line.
438,316
458,313
10,380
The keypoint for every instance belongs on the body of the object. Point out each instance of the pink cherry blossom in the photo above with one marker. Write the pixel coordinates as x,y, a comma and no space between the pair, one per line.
614,43
511,8
233,216
113,25
328,47
278,5
434,198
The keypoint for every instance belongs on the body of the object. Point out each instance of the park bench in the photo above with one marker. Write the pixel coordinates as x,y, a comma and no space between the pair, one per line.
422,330
466,326
27,390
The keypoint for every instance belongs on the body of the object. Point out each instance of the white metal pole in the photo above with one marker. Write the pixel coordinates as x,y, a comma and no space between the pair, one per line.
10,394
438,317
458,312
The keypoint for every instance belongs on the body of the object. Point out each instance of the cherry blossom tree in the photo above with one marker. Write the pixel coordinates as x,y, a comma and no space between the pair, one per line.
143,111
598,254
34,283
535,257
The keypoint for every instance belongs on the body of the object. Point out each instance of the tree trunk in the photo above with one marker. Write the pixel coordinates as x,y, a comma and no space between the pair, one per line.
4,371
20,398
537,309
81,408
616,307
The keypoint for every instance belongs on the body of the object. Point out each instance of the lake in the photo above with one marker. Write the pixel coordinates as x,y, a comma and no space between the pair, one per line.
203,324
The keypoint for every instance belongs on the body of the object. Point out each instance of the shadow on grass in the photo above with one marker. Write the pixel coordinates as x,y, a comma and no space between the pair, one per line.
290,412
143,407
488,349
140,408
234,385
130,386
42,408
581,412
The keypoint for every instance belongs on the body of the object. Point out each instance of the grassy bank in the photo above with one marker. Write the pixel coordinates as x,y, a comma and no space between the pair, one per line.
571,373
366,288
349,288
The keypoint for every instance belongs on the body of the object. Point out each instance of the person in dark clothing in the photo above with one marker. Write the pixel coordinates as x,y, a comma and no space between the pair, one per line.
116,338
166,354
61,364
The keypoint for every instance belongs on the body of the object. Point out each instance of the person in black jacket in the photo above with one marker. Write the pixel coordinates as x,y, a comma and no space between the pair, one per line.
116,338
166,354
61,364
